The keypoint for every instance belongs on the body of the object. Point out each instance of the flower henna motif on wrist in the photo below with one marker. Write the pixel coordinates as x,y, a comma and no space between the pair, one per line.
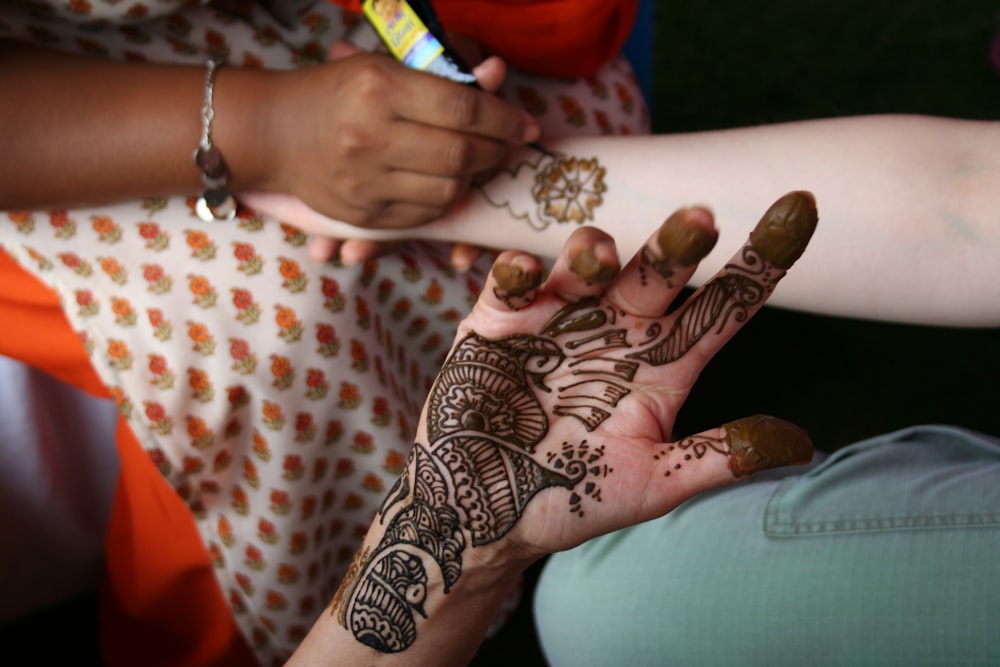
568,190
565,190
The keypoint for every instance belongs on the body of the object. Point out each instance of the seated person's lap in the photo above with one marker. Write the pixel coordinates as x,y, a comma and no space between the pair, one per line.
885,553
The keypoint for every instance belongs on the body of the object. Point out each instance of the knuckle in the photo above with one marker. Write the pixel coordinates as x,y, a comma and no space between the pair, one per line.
353,140
353,189
449,190
371,80
362,218
458,156
463,107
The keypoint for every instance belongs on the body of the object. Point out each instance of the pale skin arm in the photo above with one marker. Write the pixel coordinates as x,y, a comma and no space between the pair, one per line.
911,231
549,425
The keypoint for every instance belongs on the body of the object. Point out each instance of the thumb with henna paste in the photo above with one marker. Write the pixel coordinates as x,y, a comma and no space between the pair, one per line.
761,442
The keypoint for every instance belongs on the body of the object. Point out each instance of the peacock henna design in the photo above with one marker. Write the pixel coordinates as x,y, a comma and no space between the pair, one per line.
467,488
484,387
565,189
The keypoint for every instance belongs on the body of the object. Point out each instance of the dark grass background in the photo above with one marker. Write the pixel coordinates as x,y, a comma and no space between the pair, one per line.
732,63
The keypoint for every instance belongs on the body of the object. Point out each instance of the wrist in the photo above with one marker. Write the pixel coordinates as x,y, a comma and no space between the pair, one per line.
241,129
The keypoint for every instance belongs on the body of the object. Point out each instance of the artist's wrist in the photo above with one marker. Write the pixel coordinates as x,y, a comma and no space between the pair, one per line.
243,127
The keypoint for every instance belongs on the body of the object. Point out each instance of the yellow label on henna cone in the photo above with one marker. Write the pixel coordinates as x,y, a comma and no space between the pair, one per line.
785,229
411,42
414,35
761,442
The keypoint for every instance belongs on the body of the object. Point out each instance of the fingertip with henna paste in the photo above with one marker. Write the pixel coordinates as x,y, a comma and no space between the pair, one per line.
684,239
784,231
516,277
762,442
594,264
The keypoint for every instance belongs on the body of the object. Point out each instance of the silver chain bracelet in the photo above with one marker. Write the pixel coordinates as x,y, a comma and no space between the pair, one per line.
216,203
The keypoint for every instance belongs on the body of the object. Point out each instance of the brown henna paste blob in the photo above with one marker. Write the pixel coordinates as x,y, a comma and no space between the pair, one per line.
762,442
783,233
679,243
515,281
571,319
584,262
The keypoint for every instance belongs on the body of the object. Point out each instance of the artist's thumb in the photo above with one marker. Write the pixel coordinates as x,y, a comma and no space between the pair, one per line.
341,49
490,73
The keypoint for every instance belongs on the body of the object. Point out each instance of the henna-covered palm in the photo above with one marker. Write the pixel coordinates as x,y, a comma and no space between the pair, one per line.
550,422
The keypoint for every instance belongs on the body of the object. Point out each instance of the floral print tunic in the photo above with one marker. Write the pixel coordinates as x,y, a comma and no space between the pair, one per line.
278,397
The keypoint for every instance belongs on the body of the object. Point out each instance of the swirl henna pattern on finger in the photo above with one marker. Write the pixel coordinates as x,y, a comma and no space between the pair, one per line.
488,415
565,189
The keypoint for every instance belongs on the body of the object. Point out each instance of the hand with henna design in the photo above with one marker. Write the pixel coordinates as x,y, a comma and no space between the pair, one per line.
550,424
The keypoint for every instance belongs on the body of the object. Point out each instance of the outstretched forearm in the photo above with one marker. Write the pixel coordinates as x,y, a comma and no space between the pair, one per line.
908,203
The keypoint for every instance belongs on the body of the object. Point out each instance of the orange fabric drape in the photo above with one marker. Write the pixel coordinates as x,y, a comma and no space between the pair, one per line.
160,602
161,605
561,38
35,331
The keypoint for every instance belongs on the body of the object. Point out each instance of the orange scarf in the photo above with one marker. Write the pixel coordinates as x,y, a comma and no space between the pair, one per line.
560,38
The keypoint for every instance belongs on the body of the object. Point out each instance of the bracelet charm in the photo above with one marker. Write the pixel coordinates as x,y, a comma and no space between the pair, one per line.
216,203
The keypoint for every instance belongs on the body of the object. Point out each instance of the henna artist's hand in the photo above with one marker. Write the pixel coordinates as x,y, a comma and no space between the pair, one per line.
550,422
373,143
388,208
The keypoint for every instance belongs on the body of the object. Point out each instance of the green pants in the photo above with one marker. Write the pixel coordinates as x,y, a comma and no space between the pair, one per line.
886,553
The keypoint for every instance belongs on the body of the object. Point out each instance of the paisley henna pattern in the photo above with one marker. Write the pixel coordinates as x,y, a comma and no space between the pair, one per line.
470,484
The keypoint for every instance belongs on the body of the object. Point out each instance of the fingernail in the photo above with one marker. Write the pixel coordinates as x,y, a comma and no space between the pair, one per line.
679,242
584,263
761,442
532,130
784,231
